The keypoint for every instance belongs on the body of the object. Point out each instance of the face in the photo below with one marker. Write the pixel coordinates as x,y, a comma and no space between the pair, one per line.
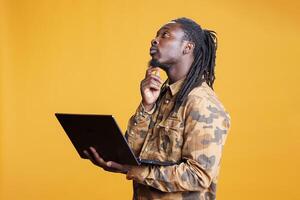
167,47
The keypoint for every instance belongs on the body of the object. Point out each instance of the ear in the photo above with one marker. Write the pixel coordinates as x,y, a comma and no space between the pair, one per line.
189,47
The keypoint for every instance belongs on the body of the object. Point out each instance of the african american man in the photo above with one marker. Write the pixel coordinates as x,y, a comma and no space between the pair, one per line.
180,126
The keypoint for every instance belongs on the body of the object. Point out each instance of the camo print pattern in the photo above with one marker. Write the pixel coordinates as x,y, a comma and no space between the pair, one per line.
192,140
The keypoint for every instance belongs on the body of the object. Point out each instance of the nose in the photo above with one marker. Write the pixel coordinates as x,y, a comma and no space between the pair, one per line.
154,42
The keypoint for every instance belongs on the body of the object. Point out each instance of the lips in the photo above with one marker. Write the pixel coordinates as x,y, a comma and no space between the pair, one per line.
153,51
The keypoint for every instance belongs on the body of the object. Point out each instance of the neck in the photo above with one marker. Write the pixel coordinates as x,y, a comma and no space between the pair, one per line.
179,70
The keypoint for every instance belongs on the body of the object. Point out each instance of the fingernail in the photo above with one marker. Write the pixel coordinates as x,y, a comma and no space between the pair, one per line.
108,164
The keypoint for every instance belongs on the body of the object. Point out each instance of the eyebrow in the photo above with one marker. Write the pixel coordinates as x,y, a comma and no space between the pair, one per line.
163,28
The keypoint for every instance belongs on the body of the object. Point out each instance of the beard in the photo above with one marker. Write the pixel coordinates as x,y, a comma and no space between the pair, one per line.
155,63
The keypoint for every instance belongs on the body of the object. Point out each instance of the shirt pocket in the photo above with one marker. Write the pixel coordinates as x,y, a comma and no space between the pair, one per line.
170,139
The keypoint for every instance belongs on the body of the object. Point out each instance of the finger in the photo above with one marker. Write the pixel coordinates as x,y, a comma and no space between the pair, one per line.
112,170
147,83
118,167
154,86
89,157
97,158
114,165
96,155
104,166
87,154
155,77
155,82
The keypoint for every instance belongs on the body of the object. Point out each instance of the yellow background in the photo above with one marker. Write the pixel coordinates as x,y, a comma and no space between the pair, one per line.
90,56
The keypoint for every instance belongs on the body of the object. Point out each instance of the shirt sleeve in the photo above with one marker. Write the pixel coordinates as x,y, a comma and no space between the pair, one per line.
206,127
138,127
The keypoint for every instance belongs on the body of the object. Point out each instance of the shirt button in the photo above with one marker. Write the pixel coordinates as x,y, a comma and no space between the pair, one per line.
135,123
167,101
146,149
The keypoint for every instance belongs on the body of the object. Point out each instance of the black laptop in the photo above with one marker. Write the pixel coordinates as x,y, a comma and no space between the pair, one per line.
100,132
103,133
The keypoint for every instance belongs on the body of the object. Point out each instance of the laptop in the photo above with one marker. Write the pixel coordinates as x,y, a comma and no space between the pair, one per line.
103,133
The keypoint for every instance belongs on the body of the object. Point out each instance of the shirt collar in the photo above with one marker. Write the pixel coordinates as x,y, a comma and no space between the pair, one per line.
175,87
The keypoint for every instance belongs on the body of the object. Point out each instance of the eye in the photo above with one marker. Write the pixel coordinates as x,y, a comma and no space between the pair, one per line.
165,34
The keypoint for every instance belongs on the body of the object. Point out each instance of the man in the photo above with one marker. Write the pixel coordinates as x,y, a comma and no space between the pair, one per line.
180,127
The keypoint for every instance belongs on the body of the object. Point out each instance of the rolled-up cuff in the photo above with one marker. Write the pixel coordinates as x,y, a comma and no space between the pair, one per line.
138,173
148,112
142,115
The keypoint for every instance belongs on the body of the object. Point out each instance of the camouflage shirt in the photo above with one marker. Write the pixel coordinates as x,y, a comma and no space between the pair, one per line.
185,148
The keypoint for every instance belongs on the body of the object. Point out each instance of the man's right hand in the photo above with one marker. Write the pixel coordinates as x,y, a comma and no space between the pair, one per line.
150,88
109,166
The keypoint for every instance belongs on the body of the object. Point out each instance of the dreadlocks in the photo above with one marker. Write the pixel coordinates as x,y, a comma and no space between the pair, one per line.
202,68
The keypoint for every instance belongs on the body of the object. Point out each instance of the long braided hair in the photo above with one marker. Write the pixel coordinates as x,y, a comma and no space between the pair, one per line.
203,66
